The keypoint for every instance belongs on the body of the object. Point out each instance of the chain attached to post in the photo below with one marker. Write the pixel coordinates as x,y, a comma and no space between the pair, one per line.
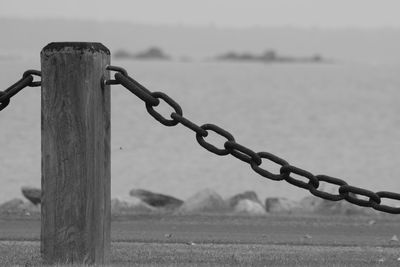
26,80
245,154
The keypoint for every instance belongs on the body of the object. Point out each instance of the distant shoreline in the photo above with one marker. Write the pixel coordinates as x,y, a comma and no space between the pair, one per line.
375,45
269,56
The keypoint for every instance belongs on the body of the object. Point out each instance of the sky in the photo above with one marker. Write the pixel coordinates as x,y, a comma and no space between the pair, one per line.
218,13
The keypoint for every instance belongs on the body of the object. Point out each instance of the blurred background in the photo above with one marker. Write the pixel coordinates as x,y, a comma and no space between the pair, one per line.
314,82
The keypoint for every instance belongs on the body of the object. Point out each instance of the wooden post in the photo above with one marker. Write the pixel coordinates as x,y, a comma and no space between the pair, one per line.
75,226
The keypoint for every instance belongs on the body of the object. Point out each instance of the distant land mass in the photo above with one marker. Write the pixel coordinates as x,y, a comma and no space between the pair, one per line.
151,53
269,56
26,37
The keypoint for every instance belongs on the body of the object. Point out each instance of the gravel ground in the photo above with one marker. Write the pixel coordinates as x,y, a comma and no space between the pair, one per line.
165,240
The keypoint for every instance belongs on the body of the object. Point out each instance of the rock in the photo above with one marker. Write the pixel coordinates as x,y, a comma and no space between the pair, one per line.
168,235
281,205
316,205
249,207
156,200
19,207
29,208
307,236
11,205
394,239
126,202
207,201
123,206
250,195
327,207
310,203
34,195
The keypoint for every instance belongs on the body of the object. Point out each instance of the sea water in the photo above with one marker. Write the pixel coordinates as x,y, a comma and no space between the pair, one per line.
337,119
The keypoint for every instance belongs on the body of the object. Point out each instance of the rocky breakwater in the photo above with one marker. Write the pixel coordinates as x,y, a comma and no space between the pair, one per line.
206,201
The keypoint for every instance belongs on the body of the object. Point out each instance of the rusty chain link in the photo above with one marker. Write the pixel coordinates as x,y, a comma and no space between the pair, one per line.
26,80
254,159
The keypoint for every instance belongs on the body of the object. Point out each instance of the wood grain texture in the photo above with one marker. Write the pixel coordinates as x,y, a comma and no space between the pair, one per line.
75,225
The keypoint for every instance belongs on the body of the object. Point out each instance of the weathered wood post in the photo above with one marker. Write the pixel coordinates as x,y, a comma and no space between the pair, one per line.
75,226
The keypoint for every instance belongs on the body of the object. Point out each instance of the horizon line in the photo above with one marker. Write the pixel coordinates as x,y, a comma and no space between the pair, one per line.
211,25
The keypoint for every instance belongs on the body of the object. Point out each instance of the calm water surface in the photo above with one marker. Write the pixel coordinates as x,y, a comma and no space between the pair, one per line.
341,120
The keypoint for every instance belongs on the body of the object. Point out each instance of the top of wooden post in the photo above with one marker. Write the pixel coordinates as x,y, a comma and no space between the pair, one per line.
78,46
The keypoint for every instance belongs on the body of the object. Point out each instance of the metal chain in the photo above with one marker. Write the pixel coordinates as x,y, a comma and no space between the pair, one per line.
26,80
254,159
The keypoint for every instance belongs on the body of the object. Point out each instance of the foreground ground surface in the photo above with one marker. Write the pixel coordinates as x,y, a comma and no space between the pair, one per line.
162,240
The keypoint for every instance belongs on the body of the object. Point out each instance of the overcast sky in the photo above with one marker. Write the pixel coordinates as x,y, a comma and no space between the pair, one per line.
220,13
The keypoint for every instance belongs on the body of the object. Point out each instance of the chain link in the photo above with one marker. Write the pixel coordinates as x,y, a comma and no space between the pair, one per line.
385,208
189,124
241,152
312,180
26,80
325,195
254,159
210,147
158,116
263,172
350,193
